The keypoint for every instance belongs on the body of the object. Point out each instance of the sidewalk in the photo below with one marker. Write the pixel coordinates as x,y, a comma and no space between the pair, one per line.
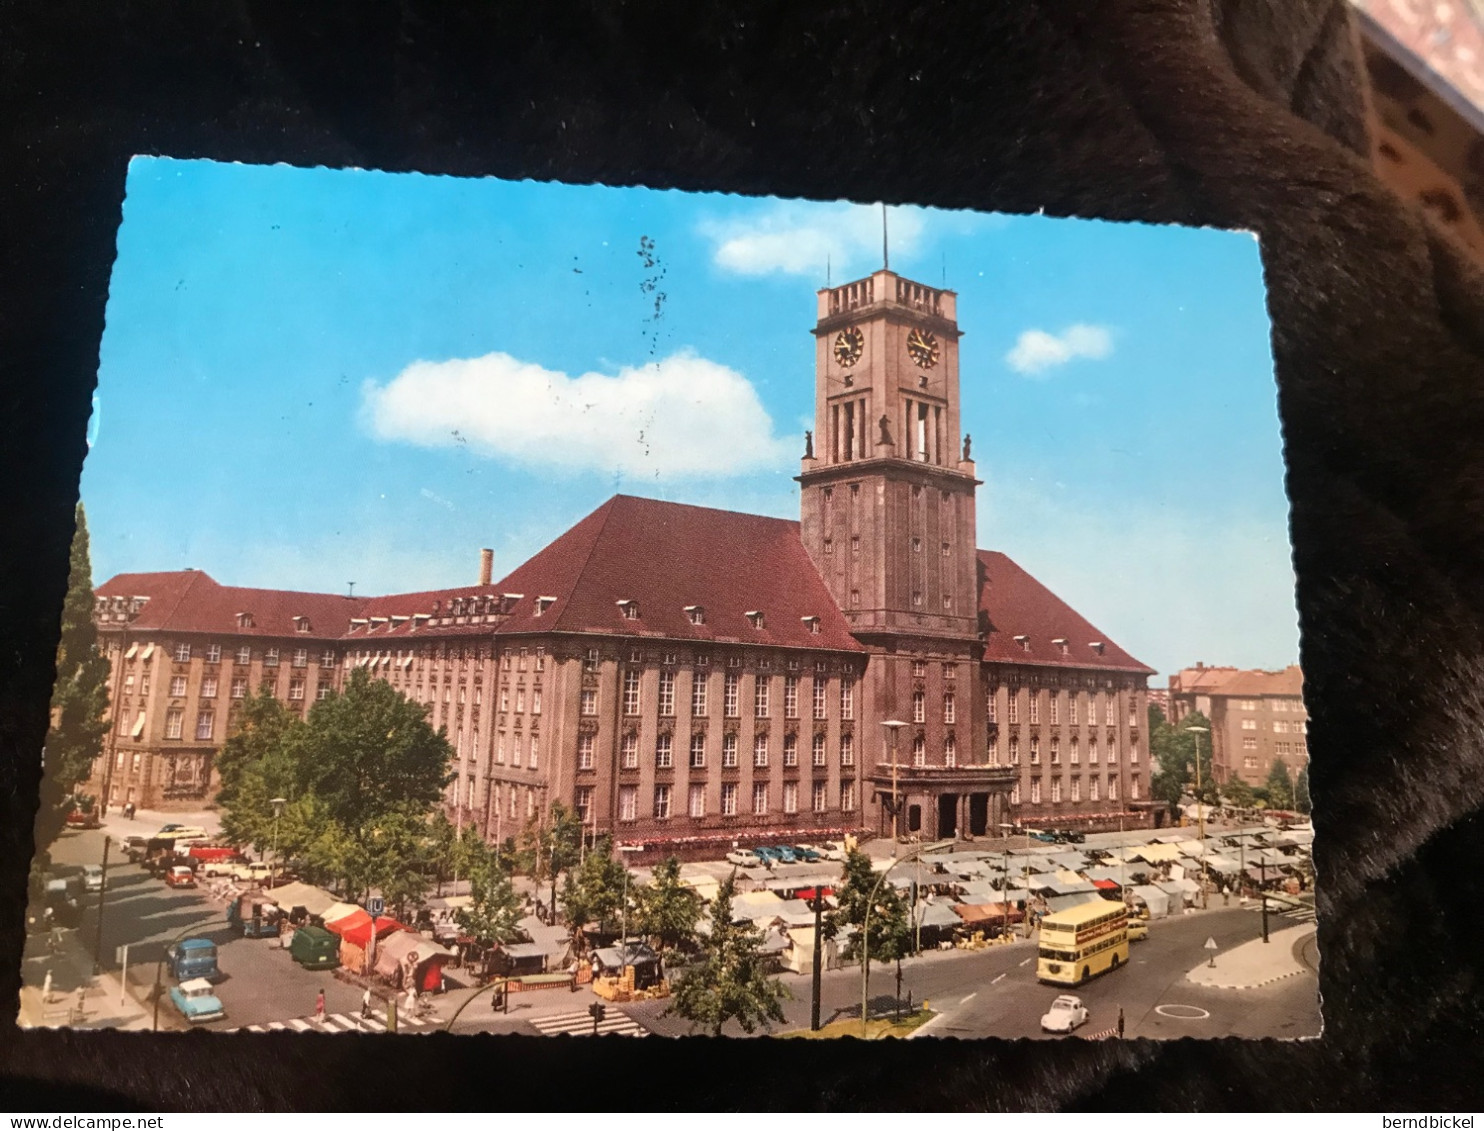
1256,963
103,1004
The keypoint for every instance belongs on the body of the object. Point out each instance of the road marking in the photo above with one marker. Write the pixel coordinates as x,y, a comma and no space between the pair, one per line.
1028,960
1182,1012
256,1029
970,998
277,1026
300,1025
376,1023
580,1023
997,981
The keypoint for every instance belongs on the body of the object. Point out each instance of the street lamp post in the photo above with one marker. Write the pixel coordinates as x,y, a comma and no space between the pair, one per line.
866,922
1026,917
624,940
1200,807
892,726
278,803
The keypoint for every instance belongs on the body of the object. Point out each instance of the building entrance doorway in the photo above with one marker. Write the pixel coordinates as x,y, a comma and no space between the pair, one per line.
978,814
947,815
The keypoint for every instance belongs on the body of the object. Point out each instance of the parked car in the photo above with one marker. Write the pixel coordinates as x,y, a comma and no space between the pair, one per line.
84,819
134,848
92,877
744,858
315,948
193,958
1045,837
196,1001
768,855
180,876
179,833
786,855
833,850
808,853
1072,836
1065,1014
1137,929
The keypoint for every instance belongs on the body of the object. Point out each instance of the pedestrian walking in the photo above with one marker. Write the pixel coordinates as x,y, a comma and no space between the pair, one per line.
46,989
366,1002
319,1008
411,1000
1120,1022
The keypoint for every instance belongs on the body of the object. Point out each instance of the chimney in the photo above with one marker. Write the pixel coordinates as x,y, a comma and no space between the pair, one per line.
486,566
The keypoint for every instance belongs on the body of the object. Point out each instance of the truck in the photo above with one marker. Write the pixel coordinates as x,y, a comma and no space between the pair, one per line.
214,859
256,872
315,948
193,958
253,917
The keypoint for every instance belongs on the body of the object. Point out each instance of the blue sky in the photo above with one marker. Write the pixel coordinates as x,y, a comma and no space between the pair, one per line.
315,376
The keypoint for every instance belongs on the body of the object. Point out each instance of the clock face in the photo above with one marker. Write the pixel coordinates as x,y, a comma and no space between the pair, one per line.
848,346
922,347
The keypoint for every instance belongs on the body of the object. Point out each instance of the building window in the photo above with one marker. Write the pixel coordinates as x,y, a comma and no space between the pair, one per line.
696,614
270,658
991,713
790,750
1056,749
205,720
919,751
847,698
1012,707
760,697
729,799
182,653
1249,724
919,707
1109,707
1015,793
759,798
628,802
1035,750
820,711
323,691
729,703
1076,790
661,802
760,750
698,801
847,795
589,703
698,696
1092,789
664,752
629,752
177,686
1035,791
520,699
630,609
818,751
630,693
950,751
500,749
949,708
1251,744
791,697
1133,754
535,699
1014,751
697,751
1055,716
301,657
919,669
1035,706
1133,789
1073,710
1249,763
667,694
327,660
585,751
820,797
583,799
728,751
239,687
296,689
589,661
208,687
244,655
213,653
791,797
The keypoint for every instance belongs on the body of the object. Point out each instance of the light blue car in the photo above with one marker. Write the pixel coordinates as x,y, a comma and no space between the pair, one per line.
196,1001
767,855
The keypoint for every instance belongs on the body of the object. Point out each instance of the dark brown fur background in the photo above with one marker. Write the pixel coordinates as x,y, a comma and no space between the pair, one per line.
1233,113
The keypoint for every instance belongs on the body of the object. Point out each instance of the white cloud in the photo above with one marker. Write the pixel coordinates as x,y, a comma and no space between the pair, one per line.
682,416
796,238
1036,350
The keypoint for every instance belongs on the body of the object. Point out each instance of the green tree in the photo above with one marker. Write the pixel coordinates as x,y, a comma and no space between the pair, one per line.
730,982
552,848
890,929
255,766
668,910
1301,800
79,702
494,910
1279,785
1173,747
594,892
391,856
1238,794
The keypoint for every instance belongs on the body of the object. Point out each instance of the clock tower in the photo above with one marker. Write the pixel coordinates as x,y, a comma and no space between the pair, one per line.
887,499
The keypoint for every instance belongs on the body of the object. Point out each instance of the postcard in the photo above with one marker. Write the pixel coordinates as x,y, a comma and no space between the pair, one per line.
552,609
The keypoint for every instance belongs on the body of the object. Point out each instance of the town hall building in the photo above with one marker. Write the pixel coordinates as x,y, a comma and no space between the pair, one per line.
687,678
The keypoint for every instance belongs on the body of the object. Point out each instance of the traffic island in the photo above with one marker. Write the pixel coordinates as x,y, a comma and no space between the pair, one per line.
1255,963
877,1028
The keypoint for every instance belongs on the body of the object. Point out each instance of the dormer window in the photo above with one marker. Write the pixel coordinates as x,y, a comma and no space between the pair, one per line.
544,603
1061,644
301,624
508,600
1024,642
628,609
755,618
696,614
244,620
812,624
1097,646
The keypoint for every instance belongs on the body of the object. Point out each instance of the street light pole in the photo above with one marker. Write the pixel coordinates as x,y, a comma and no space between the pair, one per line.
1200,807
278,803
892,726
866,922
102,891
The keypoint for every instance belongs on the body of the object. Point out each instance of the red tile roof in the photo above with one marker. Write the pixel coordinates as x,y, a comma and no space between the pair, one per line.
1251,684
192,601
1015,605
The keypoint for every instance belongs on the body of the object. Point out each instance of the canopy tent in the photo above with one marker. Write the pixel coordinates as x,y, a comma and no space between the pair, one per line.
774,942
406,958
1224,865
938,915
314,900
755,905
1181,892
796,913
1059,887
979,915
1072,861
1055,903
520,958
1158,853
978,893
799,957
355,938
1112,875
337,912
1106,885
1157,900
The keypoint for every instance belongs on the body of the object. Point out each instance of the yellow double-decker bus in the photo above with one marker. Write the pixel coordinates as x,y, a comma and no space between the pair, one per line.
1082,942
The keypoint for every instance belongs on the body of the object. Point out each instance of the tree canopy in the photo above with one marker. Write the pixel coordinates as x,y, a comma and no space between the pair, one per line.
1279,785
890,930
493,914
594,892
1301,800
1173,747
730,982
668,910
79,701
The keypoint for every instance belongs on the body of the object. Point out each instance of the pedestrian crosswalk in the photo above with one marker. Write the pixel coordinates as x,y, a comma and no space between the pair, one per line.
579,1023
342,1023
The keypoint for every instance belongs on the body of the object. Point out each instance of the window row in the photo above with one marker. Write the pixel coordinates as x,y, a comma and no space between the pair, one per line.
731,700
212,653
664,751
1096,791
763,800
1076,711
1074,750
